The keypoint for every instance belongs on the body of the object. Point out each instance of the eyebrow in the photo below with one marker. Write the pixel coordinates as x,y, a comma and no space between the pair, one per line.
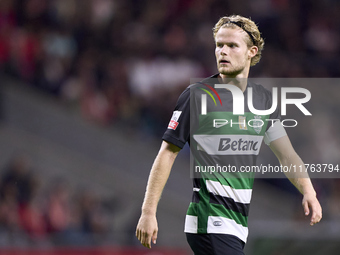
221,42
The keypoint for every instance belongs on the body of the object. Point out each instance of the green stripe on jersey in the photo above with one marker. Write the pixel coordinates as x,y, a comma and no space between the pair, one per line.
236,183
241,181
234,180
227,123
203,209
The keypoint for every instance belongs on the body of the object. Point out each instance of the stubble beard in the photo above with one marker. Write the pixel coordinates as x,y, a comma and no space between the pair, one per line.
231,72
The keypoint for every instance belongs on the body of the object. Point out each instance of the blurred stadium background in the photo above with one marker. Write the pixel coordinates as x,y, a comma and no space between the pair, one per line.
87,89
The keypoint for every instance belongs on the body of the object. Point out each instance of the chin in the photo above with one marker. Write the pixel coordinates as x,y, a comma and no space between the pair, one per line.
230,72
226,72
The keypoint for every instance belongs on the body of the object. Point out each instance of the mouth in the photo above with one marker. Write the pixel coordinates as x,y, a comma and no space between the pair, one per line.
224,62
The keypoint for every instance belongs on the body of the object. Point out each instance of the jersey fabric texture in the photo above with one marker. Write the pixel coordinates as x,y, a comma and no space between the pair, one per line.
219,139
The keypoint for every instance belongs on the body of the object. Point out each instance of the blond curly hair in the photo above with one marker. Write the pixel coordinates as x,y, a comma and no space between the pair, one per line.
254,35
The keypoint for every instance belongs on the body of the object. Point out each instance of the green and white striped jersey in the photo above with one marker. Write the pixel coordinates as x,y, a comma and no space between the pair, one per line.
221,144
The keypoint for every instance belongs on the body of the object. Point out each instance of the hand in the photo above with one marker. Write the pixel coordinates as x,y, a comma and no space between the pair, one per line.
147,229
310,201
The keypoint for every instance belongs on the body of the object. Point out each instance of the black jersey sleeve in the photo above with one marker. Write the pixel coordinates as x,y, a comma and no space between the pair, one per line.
178,131
276,114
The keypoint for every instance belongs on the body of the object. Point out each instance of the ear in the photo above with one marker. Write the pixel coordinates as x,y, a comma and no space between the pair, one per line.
252,51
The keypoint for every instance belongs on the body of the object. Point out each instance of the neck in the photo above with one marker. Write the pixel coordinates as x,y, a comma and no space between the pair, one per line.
240,82
240,79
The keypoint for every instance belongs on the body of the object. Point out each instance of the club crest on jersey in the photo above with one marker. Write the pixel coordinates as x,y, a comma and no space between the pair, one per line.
242,123
257,124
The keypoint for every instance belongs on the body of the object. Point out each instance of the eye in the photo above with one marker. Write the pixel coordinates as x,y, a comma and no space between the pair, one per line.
219,45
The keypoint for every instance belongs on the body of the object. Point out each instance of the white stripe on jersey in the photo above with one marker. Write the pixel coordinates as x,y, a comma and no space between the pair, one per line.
229,144
190,224
238,195
221,225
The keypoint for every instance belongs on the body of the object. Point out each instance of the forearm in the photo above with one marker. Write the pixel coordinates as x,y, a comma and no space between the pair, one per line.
288,157
158,177
300,179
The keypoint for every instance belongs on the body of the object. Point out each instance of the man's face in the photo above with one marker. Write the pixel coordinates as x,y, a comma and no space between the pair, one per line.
232,53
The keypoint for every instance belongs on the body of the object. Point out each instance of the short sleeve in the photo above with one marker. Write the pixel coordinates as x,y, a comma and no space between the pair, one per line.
178,131
275,131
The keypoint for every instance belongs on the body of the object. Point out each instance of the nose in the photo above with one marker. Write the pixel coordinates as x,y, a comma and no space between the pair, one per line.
224,50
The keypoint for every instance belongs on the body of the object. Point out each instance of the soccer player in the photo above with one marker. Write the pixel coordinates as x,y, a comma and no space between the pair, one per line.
216,221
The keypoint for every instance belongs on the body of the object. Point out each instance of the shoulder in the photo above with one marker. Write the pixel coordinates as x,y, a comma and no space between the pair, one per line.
205,83
259,90
209,81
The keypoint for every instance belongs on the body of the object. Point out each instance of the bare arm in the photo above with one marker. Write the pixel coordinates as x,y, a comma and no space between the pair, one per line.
287,156
147,228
